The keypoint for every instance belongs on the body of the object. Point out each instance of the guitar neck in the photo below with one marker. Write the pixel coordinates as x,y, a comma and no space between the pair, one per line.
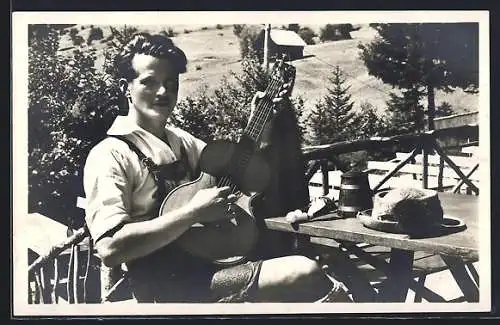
262,112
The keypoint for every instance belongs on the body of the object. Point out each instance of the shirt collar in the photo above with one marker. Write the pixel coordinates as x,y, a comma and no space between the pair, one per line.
159,150
124,125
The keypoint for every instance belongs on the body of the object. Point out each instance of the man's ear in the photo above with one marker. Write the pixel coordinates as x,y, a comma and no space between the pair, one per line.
123,84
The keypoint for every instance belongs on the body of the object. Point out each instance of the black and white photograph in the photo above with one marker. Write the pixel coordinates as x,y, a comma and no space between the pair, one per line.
233,163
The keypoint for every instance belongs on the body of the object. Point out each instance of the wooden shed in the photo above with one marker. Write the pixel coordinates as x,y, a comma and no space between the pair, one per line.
282,42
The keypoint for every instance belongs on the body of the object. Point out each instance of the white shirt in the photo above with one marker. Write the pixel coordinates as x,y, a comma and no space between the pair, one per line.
118,187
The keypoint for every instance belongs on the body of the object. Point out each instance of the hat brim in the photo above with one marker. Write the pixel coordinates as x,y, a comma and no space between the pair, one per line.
449,224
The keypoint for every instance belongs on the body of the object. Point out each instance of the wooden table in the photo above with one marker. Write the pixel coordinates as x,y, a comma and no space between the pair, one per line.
456,249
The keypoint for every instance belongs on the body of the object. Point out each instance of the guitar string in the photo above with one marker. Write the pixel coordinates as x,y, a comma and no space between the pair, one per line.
265,114
261,116
273,87
225,181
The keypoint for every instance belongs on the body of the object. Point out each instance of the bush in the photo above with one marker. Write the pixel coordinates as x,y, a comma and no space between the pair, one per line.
293,27
169,33
122,35
247,38
445,109
70,107
219,26
237,29
77,40
335,32
307,34
95,34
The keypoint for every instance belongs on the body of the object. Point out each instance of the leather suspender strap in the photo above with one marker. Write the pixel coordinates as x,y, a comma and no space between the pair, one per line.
150,165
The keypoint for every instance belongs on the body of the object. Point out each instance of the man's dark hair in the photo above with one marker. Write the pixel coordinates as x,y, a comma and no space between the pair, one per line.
158,46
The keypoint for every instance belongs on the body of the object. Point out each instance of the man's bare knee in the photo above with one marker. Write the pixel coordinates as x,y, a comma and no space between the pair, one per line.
293,278
304,269
309,276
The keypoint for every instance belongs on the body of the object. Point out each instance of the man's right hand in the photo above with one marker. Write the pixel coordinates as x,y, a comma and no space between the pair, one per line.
210,204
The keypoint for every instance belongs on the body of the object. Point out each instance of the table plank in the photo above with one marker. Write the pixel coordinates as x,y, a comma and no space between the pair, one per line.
462,244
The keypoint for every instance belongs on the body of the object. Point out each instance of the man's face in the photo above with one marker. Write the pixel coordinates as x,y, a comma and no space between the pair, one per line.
154,91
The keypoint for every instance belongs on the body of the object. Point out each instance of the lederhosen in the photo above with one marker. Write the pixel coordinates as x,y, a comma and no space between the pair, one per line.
172,275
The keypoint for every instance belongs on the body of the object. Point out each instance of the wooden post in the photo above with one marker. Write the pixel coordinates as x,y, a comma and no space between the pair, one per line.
456,168
425,166
456,188
324,173
266,46
76,273
400,165
440,175
431,106
55,298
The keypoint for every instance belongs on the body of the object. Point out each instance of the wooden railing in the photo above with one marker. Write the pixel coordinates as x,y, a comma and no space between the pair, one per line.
323,157
320,158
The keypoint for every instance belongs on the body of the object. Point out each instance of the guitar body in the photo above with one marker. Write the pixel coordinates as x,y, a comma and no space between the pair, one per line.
228,241
245,170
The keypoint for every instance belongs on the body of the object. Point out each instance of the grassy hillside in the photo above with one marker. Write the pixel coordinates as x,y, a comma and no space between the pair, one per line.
214,51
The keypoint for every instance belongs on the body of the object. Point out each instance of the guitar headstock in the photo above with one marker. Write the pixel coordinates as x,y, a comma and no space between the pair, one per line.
283,75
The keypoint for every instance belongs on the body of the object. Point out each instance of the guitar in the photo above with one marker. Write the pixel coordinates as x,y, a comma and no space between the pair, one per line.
242,167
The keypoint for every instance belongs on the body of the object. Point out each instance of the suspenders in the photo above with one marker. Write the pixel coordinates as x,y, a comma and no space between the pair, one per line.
175,171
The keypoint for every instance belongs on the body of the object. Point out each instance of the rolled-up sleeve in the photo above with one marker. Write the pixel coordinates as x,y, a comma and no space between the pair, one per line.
107,189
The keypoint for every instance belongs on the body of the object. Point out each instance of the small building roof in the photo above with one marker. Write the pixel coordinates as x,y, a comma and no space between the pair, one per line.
286,37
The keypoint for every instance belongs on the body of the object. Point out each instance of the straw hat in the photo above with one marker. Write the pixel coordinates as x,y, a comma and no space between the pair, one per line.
413,211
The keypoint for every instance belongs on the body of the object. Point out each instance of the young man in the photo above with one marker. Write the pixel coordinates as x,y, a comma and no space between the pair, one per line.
122,209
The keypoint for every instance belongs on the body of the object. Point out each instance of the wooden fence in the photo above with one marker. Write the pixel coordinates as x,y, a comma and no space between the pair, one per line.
423,147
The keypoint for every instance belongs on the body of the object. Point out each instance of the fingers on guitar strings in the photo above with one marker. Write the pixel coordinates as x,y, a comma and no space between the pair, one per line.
224,191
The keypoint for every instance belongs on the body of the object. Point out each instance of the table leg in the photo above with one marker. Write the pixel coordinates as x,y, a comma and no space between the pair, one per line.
346,270
473,272
400,275
466,284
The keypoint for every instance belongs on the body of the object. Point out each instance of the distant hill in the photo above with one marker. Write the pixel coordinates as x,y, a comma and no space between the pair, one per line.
213,51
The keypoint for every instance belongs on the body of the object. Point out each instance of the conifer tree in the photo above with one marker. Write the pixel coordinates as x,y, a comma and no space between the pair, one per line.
406,112
333,118
427,56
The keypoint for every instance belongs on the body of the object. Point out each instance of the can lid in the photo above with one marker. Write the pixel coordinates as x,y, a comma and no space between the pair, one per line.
354,173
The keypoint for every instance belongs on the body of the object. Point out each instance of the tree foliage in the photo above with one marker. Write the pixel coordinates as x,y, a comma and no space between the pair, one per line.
71,105
440,54
248,35
333,118
307,34
406,113
222,113
425,57
335,32
371,121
